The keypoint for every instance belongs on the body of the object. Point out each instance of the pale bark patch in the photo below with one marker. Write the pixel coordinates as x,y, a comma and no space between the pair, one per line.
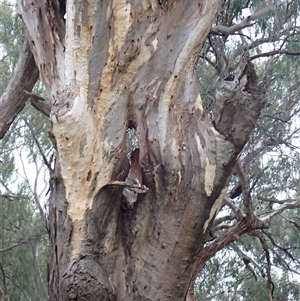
78,39
198,103
179,177
154,43
146,4
122,21
79,162
215,209
210,169
210,173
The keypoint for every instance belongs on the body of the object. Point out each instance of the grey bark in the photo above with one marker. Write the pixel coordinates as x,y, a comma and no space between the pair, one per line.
13,99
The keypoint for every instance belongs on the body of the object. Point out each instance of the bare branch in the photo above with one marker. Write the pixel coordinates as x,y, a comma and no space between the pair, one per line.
13,99
276,201
248,260
12,246
291,221
236,209
265,247
279,247
274,52
245,225
245,23
38,145
289,205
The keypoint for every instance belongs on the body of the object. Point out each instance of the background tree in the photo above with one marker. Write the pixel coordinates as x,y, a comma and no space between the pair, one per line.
143,227
269,163
23,233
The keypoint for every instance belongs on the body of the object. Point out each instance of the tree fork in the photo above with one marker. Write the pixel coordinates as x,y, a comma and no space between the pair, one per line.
108,66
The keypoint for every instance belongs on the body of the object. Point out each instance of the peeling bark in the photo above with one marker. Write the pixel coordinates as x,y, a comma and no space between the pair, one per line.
131,64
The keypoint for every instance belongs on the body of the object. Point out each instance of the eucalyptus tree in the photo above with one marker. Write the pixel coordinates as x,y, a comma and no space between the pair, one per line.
142,228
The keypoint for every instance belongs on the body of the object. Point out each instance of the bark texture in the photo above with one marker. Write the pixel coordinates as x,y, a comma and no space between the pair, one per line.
117,64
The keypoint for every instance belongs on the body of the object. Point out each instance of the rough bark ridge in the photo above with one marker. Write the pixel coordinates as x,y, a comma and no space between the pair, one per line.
118,64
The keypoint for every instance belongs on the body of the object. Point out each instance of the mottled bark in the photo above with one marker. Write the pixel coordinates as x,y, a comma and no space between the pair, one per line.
128,64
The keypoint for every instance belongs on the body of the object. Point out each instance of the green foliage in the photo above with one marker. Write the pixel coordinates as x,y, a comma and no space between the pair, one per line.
11,40
23,206
271,156
23,222
226,278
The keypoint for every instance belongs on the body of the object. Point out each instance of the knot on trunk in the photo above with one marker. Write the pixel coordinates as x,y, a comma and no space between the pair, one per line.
239,100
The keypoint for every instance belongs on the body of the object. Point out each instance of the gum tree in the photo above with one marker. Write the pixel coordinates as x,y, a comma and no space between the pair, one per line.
135,228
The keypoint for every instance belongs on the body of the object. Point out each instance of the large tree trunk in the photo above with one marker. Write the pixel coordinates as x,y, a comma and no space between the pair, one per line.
132,229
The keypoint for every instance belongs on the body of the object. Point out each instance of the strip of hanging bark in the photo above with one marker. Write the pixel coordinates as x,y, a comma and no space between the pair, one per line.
136,188
13,99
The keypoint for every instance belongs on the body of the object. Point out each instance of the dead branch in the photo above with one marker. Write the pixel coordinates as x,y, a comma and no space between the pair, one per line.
275,201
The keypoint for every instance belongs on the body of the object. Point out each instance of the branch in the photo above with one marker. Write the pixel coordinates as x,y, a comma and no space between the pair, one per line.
248,260
39,103
246,192
236,209
4,281
275,201
280,209
265,247
245,23
13,99
291,221
12,246
271,53
46,162
245,225
19,287
284,250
